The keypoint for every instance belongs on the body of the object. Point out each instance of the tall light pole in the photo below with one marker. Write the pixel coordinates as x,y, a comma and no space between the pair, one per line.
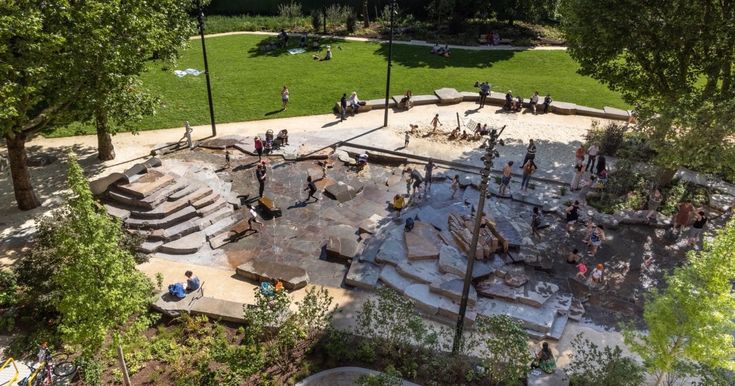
390,59
200,19
485,173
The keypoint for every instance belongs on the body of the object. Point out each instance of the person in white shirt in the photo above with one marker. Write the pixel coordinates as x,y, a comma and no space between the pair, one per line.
592,153
354,102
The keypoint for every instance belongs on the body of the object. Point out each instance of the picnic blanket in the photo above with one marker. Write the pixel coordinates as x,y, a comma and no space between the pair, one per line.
294,51
188,71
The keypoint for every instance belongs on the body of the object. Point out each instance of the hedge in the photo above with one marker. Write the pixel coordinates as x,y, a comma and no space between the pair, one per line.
270,7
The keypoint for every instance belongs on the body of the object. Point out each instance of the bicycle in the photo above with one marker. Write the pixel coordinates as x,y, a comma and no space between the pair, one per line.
49,373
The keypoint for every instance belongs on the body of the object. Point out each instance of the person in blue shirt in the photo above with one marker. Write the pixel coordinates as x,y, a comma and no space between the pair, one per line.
192,282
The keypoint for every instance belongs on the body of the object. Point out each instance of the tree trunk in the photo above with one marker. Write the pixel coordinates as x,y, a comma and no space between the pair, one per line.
366,17
105,149
24,193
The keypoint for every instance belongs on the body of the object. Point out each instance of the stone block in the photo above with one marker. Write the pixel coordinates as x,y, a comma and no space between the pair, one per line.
557,329
374,104
218,309
344,157
537,293
322,183
420,248
448,96
469,96
166,222
370,224
452,261
423,299
422,100
341,191
496,98
362,275
119,213
187,245
420,271
99,186
147,184
341,248
452,289
391,278
257,269
590,112
515,277
563,108
495,287
616,113
538,319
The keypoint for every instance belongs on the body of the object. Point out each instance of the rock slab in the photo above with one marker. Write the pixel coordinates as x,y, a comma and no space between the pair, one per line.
293,278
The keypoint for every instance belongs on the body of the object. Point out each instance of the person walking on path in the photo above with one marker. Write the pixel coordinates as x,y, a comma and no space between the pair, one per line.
577,178
530,153
284,97
311,187
259,148
683,215
429,170
528,168
455,185
579,155
505,180
654,201
596,238
572,215
591,157
261,175
547,103
435,122
406,139
343,107
697,229
534,102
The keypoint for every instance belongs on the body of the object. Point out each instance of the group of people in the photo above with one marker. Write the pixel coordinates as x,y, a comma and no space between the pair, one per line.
439,50
416,183
353,102
515,104
596,165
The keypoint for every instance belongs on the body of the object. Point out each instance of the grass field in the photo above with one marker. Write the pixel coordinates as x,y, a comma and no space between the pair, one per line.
246,83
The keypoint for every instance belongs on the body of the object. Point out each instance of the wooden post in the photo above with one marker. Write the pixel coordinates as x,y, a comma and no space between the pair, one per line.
458,120
123,366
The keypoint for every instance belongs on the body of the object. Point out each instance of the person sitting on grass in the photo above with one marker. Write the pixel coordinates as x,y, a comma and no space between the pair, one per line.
545,360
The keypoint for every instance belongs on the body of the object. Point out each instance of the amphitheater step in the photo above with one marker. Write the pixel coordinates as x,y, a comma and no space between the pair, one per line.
213,207
180,230
168,208
391,278
452,289
424,272
160,196
184,192
180,216
220,213
557,329
114,196
146,185
205,201
223,224
538,319
149,246
184,246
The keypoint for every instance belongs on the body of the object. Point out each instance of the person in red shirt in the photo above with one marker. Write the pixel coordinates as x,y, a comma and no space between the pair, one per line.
259,147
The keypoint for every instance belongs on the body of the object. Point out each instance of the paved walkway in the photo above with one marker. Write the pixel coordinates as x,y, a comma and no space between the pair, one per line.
504,47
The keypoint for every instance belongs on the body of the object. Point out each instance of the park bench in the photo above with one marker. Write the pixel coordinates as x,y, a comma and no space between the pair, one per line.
269,206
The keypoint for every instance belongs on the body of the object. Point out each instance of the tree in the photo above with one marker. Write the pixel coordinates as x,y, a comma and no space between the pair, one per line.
676,70
690,321
98,285
64,61
524,10
504,349
591,365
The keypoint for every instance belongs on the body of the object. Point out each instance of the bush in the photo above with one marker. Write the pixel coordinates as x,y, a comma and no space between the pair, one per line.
290,10
609,138
316,20
505,352
591,365
351,22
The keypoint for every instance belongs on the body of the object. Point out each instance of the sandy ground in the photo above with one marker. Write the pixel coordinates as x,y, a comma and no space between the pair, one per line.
557,136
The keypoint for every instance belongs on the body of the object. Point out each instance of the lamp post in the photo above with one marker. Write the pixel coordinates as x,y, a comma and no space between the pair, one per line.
390,59
485,173
200,19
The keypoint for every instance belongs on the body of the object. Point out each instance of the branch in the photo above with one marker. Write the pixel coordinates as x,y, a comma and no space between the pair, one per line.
44,117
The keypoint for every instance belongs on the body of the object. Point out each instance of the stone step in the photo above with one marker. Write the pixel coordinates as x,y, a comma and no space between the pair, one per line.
293,277
435,305
391,278
213,207
424,272
222,225
392,252
117,212
184,192
116,197
147,184
536,294
363,275
219,214
207,200
149,246
170,207
162,195
538,319
175,218
419,247
186,245
576,311
180,230
452,289
557,329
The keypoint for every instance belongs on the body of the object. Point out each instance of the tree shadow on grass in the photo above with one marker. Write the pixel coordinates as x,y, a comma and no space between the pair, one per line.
271,46
421,56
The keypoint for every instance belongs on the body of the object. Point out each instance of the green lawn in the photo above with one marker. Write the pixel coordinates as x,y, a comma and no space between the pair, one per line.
246,83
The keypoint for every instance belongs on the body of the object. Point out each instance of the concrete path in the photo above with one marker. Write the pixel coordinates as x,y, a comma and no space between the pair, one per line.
423,43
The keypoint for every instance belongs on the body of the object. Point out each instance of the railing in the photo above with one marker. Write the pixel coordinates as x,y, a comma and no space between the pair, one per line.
6,364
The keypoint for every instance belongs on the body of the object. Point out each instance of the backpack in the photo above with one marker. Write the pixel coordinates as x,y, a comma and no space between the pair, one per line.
177,290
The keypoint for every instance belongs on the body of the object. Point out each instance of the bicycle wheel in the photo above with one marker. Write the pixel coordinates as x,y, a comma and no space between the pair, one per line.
65,369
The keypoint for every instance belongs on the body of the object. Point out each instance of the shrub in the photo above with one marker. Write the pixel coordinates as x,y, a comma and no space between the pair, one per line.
316,20
337,14
591,365
609,138
505,349
290,11
351,22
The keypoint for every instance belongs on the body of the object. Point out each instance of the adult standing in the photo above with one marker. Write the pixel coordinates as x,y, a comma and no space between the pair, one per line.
484,92
591,157
259,147
417,180
261,175
528,168
455,184
284,97
530,154
697,229
534,101
572,215
683,215
343,107
574,186
579,154
505,179
429,170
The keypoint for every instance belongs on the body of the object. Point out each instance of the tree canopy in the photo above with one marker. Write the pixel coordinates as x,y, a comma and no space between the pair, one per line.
98,285
690,321
673,62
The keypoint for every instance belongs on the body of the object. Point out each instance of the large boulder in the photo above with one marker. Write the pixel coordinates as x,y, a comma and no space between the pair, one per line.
293,278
